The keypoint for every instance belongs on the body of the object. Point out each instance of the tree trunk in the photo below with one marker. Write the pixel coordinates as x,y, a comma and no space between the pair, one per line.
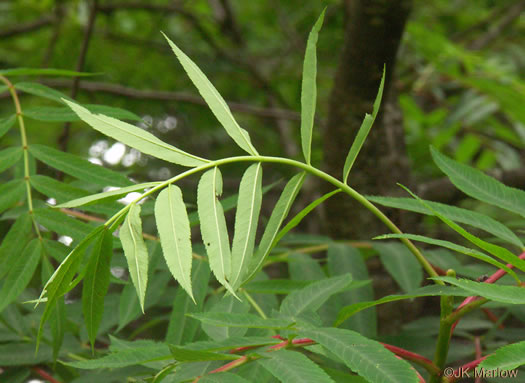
373,31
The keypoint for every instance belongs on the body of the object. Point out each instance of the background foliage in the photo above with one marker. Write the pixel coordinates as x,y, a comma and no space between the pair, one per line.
457,85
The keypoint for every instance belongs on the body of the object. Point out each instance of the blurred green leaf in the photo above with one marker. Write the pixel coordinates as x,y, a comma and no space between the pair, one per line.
9,156
78,167
96,283
20,272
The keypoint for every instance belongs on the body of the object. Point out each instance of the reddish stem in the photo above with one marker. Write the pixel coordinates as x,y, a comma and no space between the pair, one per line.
466,367
44,375
412,356
493,278
477,345
231,365
492,317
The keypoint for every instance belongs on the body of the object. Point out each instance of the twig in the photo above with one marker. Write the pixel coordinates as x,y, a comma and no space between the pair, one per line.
477,346
57,24
30,26
44,375
159,95
495,29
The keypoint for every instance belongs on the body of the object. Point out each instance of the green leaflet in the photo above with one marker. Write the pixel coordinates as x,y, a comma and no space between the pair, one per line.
20,272
14,241
136,137
452,246
507,357
246,219
181,354
63,192
275,286
6,124
505,294
135,251
303,213
222,377
129,306
78,167
401,265
293,367
480,186
309,89
181,327
497,251
10,193
61,223
225,319
139,354
454,213
214,100
60,281
65,114
347,259
105,196
228,203
174,231
23,354
96,283
40,90
363,131
57,318
311,297
433,290
233,342
9,156
225,306
43,72
366,357
213,225
279,213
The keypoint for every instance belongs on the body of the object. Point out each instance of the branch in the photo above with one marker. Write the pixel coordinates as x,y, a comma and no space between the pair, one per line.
513,13
30,26
88,32
59,13
159,95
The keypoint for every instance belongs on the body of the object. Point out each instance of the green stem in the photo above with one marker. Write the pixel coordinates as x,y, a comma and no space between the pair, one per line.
254,304
309,169
25,149
443,341
457,315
